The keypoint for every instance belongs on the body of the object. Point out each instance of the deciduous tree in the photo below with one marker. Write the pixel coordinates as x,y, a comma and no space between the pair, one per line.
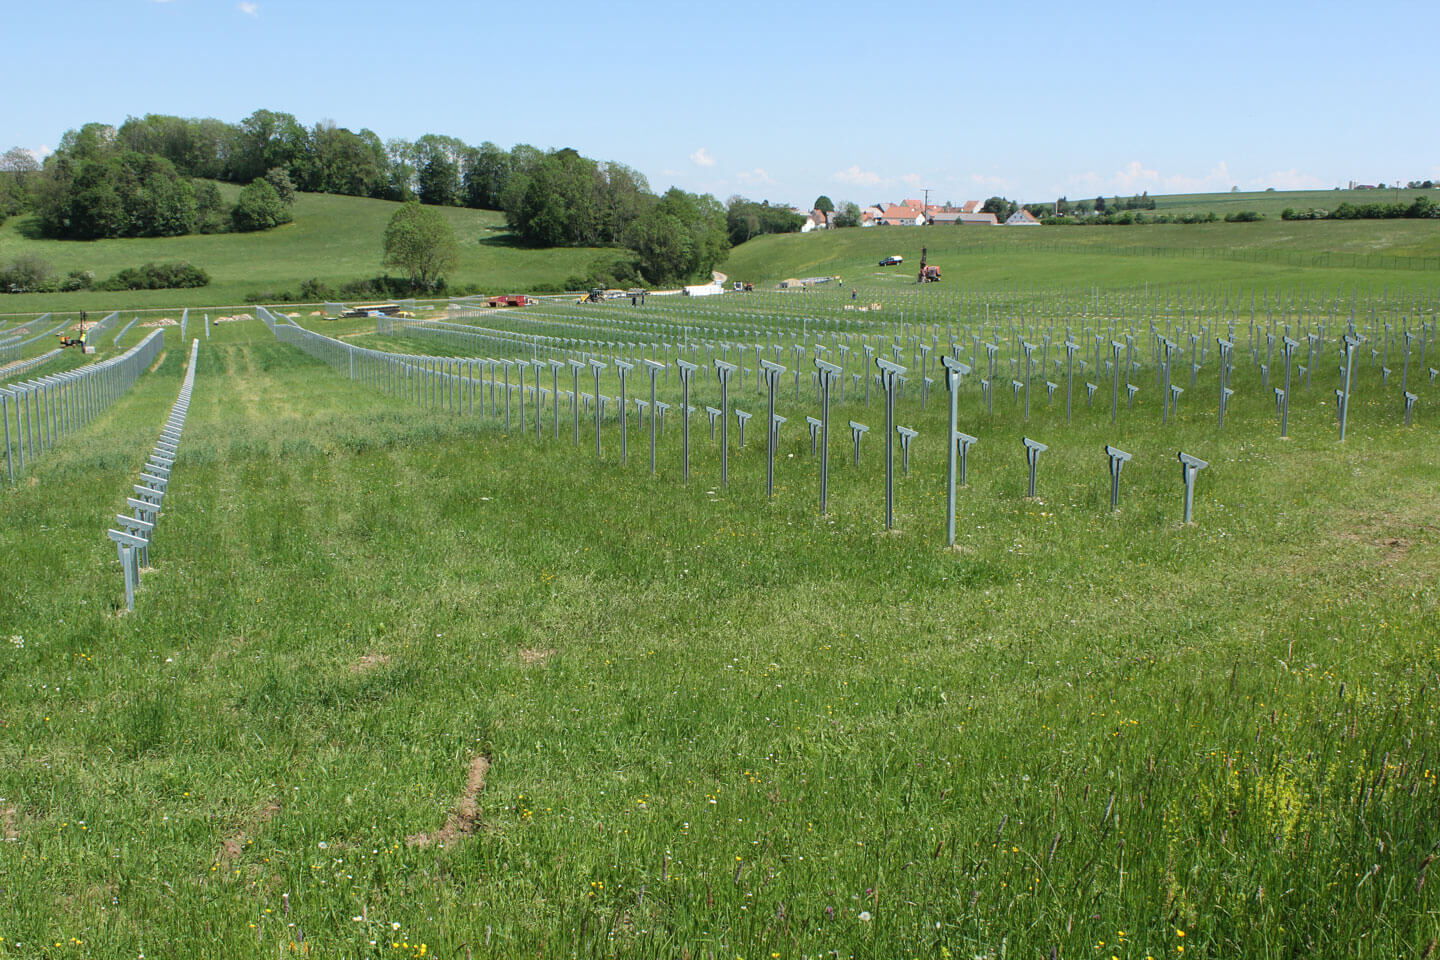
849,216
420,242
260,207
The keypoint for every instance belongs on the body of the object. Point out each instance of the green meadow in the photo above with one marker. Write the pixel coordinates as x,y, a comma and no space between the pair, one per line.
405,683
1271,254
333,238
337,239
1272,202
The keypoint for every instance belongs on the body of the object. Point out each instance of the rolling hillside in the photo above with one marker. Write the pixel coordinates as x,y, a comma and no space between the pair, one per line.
334,238
1271,202
337,239
1322,254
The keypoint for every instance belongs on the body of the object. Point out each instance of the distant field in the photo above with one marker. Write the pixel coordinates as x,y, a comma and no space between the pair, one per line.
1243,255
334,238
1271,202
337,239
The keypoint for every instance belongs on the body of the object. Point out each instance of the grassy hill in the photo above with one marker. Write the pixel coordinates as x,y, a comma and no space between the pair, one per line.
1321,254
337,239
1271,202
334,238
403,682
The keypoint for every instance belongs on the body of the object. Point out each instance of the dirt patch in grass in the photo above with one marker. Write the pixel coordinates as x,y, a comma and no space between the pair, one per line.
533,655
1378,531
7,825
369,661
1393,549
464,818
233,845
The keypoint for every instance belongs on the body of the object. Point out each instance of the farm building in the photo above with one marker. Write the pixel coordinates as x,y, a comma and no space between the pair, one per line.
1022,218
963,219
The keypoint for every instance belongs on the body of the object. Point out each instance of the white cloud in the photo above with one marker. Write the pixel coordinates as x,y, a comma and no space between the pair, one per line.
702,158
861,178
1135,177
246,6
757,177
40,152
914,179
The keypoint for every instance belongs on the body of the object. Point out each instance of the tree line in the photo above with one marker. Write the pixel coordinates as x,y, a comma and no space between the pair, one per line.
156,176
1421,208
1127,218
84,192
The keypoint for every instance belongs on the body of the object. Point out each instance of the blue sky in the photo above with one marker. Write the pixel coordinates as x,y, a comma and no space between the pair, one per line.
860,101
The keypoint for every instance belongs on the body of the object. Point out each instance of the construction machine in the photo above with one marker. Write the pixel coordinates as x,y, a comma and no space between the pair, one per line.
929,273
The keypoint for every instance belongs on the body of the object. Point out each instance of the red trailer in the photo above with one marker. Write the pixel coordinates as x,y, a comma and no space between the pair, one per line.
510,300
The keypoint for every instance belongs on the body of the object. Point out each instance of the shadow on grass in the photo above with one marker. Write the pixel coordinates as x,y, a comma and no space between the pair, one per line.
504,239
29,228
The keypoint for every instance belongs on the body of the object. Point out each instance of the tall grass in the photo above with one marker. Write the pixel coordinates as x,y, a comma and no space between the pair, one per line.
719,726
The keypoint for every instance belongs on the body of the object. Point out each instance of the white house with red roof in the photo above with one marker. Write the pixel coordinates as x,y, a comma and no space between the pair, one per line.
903,215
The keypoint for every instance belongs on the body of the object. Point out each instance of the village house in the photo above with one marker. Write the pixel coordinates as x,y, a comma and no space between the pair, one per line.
814,220
1022,218
915,213
898,215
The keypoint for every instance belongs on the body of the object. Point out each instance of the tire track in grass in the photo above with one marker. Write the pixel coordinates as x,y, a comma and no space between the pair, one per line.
464,818
320,493
255,491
